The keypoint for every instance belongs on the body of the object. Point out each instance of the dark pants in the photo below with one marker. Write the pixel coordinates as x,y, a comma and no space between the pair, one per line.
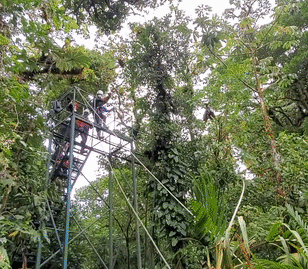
100,118
83,132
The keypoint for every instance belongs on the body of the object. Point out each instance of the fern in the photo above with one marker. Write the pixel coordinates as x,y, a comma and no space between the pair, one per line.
297,217
274,231
72,58
296,239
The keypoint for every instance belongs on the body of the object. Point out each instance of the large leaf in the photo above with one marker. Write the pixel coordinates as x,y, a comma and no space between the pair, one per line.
4,259
209,207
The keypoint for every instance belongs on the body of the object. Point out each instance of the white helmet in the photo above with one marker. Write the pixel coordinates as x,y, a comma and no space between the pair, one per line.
100,92
86,112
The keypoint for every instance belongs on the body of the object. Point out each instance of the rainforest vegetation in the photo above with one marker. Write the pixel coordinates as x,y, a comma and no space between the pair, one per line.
218,105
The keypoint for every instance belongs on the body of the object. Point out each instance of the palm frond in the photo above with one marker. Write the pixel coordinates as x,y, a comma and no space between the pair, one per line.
266,264
297,217
286,250
209,207
298,237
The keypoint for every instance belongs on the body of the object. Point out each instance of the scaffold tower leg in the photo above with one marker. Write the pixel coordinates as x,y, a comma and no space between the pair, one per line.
110,195
38,254
136,208
68,195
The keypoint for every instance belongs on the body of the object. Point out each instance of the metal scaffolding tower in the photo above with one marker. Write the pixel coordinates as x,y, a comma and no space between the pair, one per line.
68,156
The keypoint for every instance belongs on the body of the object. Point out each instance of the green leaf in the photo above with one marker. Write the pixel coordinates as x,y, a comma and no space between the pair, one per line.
175,151
286,249
273,232
71,24
174,241
4,259
165,205
4,40
172,233
57,23
244,232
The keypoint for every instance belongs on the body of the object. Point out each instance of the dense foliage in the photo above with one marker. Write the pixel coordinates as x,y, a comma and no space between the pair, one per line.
218,110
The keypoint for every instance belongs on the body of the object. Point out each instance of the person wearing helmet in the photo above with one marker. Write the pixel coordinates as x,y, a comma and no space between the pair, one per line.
82,129
98,103
100,93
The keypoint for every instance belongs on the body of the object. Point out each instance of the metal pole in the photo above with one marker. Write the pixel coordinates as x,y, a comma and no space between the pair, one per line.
48,160
68,195
72,240
151,247
38,254
54,225
110,193
136,209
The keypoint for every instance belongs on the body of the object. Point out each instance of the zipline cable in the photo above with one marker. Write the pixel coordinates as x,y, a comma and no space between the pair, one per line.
70,241
146,167
104,200
163,185
141,223
158,180
90,243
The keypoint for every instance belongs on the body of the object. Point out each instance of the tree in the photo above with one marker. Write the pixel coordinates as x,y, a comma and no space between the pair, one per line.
158,63
238,86
107,15
35,69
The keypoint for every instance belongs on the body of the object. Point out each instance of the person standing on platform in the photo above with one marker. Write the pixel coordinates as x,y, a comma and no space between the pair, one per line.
98,104
82,128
